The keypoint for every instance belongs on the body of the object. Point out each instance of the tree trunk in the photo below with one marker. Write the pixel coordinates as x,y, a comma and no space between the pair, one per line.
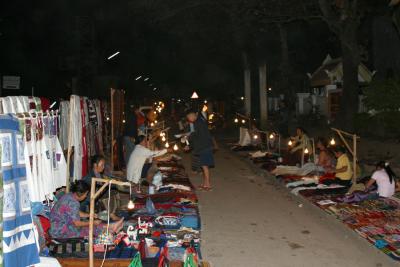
247,84
351,60
262,73
286,71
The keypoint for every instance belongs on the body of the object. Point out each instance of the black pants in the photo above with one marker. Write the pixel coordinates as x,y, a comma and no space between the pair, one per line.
338,181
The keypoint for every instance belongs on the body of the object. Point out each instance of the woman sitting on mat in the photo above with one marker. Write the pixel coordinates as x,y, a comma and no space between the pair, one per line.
98,163
325,158
381,184
384,178
65,217
343,171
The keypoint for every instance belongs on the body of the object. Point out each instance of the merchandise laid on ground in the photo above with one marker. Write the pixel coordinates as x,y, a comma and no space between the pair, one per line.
44,151
163,227
377,220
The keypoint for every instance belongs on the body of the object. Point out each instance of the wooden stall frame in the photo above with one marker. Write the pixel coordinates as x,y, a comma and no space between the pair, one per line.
353,150
93,195
70,125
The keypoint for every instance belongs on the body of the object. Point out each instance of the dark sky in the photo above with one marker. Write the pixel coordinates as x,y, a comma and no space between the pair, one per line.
180,45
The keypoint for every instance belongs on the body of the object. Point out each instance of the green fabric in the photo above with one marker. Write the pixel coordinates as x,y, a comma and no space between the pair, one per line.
136,262
189,261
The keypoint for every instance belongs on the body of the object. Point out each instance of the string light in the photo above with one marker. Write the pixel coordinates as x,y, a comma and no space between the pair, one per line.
167,145
306,151
255,136
271,136
243,121
176,147
333,142
290,143
163,139
236,120
152,124
242,98
123,121
155,121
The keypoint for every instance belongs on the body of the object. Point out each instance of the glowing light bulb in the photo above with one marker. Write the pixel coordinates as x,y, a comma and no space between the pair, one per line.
236,120
242,98
163,139
205,101
333,142
161,134
131,205
176,147
167,145
155,112
306,151
243,121
155,121
255,136
290,143
271,136
123,121
152,124
108,118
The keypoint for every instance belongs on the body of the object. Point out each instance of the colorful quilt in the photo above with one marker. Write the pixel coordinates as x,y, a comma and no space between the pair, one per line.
19,243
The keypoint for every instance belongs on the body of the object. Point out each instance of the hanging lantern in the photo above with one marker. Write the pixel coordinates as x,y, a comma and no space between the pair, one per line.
131,205
333,142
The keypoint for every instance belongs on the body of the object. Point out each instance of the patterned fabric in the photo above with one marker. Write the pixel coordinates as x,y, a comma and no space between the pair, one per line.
19,244
62,216
1,213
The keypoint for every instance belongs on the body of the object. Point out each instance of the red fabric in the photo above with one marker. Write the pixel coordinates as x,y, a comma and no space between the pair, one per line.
84,145
327,176
140,119
45,103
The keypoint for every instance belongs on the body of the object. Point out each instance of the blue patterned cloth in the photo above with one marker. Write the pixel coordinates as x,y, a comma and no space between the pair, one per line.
19,242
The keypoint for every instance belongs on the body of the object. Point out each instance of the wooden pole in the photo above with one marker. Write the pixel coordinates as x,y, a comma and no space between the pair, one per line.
71,106
112,129
93,195
354,159
91,221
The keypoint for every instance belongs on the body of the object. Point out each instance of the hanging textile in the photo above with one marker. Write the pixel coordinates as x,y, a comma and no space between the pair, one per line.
45,162
19,244
1,212
64,124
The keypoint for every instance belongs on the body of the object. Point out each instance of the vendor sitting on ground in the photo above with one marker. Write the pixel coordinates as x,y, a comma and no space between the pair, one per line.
325,158
381,184
98,162
137,167
343,171
384,178
65,217
300,142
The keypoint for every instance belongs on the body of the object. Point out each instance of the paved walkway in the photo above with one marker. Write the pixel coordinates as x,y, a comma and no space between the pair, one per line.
248,220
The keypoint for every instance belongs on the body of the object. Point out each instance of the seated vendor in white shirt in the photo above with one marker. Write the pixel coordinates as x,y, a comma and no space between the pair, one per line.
137,168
